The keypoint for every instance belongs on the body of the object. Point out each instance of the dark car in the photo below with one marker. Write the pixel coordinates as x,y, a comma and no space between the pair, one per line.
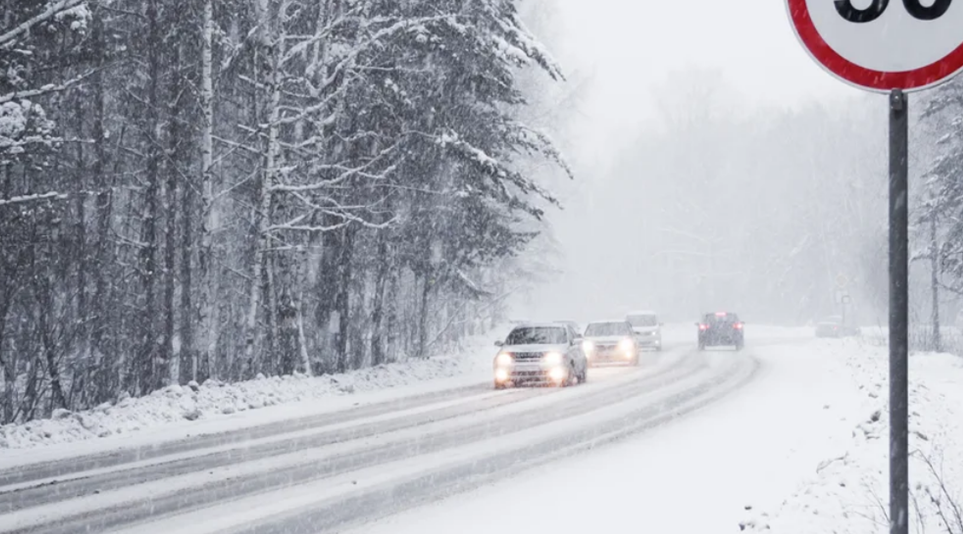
835,326
721,329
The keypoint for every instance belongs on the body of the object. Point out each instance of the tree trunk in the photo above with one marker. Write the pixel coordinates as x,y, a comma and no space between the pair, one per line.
99,320
172,349
189,352
7,364
83,257
262,215
423,317
150,360
343,301
378,313
46,289
207,338
304,266
935,285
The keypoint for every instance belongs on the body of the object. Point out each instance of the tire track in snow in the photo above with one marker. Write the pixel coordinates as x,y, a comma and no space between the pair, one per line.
196,495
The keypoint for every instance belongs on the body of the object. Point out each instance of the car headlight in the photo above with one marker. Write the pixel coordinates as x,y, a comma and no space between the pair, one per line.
588,346
626,345
553,358
504,359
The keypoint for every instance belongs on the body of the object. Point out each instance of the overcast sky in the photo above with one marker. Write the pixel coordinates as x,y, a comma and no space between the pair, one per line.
632,44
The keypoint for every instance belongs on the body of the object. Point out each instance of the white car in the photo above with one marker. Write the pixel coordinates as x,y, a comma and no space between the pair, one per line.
647,328
543,353
610,342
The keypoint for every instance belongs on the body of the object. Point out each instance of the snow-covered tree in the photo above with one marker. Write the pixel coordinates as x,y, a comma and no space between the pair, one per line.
258,186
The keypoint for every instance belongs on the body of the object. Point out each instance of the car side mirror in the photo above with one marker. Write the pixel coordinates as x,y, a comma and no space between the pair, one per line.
499,343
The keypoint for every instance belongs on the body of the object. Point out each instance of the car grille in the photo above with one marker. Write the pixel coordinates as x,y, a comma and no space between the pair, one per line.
528,356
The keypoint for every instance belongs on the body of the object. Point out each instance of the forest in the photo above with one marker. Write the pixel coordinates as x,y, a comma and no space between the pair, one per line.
194,190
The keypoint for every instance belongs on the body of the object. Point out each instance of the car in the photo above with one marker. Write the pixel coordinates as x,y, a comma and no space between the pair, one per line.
647,328
721,329
834,326
549,353
610,342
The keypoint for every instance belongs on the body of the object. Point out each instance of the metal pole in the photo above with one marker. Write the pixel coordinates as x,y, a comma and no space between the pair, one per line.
898,313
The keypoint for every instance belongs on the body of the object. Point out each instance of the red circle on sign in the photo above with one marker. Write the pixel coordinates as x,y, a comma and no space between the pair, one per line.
874,80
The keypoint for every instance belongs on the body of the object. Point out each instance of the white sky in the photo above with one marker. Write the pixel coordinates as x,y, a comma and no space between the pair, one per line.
632,44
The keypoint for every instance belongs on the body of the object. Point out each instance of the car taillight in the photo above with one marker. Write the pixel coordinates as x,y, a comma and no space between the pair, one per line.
703,327
738,326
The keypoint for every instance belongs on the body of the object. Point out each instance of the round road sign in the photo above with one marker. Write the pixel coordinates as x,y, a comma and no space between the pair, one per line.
881,45
841,281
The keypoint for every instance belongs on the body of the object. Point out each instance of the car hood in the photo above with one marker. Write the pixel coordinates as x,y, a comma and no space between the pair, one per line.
534,348
645,329
605,339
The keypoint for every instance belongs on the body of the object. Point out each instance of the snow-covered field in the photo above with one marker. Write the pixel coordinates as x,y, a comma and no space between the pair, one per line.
802,449
847,492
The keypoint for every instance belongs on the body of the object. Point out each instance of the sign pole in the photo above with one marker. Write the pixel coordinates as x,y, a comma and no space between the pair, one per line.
898,312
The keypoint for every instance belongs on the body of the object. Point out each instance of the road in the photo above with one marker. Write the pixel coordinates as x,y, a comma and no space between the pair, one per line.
327,472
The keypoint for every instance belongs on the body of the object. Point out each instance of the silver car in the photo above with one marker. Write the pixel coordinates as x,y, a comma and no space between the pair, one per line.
549,353
610,342
647,328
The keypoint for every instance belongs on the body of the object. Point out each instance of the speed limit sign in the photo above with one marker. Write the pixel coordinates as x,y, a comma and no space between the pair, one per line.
881,45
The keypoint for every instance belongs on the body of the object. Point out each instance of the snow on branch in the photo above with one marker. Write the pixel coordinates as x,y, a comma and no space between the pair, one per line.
53,10
33,198
499,171
49,88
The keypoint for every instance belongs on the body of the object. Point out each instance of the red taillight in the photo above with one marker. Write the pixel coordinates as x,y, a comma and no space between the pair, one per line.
703,326
738,326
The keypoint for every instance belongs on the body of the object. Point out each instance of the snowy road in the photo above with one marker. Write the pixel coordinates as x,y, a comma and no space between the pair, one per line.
328,471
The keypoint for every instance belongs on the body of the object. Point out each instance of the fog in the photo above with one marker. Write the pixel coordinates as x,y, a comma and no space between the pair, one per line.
718,167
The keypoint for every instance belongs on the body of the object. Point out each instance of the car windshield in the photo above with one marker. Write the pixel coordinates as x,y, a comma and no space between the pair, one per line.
537,335
607,329
643,320
713,318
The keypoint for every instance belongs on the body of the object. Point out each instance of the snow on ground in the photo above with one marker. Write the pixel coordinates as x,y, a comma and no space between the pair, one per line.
732,463
849,492
179,411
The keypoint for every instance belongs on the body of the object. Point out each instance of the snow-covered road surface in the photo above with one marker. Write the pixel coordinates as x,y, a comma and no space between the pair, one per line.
707,472
324,472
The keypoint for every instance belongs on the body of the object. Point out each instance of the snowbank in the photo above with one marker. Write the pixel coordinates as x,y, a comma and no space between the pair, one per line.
213,399
848,490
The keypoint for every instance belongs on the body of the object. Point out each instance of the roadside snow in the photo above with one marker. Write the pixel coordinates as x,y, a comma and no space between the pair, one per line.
848,491
290,396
